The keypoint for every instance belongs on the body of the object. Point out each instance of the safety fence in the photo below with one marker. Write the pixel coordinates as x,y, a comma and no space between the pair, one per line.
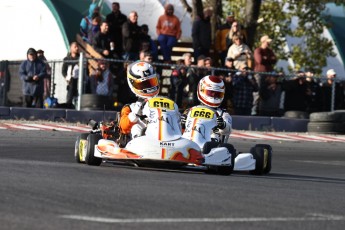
172,76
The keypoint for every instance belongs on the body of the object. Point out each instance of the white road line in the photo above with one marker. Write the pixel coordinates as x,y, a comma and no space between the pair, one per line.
314,217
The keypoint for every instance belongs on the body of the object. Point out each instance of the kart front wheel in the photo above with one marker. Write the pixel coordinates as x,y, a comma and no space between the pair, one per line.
90,158
263,155
79,146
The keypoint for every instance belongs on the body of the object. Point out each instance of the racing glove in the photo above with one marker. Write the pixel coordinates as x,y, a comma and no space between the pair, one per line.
183,120
220,122
136,112
137,108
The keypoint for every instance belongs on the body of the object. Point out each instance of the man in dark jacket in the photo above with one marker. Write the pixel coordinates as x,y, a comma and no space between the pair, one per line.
115,20
131,37
32,72
201,34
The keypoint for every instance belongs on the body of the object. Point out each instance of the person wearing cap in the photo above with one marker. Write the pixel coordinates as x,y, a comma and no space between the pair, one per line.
264,57
32,72
327,91
264,61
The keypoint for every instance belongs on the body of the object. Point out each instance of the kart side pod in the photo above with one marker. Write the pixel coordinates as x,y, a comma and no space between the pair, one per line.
244,162
218,157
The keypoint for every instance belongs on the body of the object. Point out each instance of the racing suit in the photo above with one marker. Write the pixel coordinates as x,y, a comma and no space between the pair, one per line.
223,125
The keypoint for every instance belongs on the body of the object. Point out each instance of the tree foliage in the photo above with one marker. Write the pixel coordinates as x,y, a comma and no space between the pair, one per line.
301,21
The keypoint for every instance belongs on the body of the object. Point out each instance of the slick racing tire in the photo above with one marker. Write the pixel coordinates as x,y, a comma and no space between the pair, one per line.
90,158
208,146
79,146
296,114
326,127
263,155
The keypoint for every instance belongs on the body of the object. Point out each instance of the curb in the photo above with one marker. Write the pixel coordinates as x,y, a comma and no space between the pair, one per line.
251,123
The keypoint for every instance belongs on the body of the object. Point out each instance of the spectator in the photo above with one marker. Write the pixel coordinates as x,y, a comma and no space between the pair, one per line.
131,33
145,56
146,42
314,103
295,93
178,80
104,45
327,92
240,52
221,36
244,84
85,24
93,28
270,95
169,32
69,71
32,72
264,60
227,76
102,80
194,76
201,33
115,21
47,79
236,29
264,57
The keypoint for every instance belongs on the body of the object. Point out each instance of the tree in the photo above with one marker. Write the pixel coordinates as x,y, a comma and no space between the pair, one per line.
299,20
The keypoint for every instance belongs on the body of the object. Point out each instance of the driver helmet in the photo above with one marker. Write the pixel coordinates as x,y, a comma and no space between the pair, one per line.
211,91
142,79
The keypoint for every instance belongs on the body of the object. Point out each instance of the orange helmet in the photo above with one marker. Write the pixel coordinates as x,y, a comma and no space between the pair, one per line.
142,79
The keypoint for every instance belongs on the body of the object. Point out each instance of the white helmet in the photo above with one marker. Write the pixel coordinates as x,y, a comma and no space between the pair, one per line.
211,91
142,79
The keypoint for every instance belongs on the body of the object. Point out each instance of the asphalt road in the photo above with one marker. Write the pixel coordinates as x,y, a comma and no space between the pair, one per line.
41,187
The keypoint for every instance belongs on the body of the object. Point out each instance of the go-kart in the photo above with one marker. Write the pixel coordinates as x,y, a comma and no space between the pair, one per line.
161,145
201,128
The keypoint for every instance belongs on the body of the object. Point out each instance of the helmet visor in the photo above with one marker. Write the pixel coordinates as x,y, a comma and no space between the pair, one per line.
146,84
214,94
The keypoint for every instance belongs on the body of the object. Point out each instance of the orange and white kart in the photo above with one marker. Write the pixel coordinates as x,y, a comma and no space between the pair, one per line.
201,128
161,145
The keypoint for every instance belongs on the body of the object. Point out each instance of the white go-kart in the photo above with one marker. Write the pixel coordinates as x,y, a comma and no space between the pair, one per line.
201,128
163,145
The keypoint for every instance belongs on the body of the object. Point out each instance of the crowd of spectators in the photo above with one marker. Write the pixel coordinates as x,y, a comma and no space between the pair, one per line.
252,86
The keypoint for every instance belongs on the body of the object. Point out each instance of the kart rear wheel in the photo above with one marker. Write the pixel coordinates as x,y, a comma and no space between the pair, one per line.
79,146
208,146
90,158
263,155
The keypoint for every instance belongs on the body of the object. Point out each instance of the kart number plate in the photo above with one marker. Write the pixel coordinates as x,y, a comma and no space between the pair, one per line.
203,113
159,102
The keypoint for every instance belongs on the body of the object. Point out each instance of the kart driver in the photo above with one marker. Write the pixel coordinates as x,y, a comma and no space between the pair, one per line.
143,82
210,93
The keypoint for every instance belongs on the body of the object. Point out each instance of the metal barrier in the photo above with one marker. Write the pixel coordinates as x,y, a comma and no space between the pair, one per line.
11,87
